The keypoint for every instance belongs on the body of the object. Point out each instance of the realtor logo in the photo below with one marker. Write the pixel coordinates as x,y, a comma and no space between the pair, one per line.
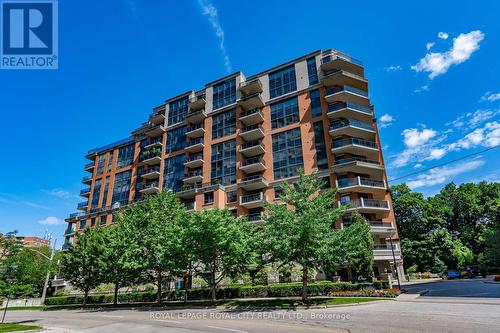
29,35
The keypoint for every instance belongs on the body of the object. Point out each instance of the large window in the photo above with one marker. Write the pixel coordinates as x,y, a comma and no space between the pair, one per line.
312,72
138,183
121,188
287,153
95,195
177,110
320,146
125,156
110,161
100,164
224,93
224,124
105,195
284,113
173,172
224,162
176,139
282,81
315,103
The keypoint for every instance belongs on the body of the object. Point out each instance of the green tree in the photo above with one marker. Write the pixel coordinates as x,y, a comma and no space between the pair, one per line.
296,230
154,231
490,258
83,264
357,245
222,245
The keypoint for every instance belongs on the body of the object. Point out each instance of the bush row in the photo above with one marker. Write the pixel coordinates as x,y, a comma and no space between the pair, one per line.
390,293
235,291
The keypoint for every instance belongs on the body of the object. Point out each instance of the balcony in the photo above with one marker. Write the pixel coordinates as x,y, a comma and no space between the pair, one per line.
368,206
83,205
255,218
65,246
195,117
355,146
194,161
89,167
154,130
87,180
190,206
151,157
377,227
385,252
253,164
195,145
352,128
251,117
150,188
151,173
344,78
250,102
338,60
69,231
195,131
350,111
346,94
360,165
361,185
85,192
197,102
252,200
154,143
250,87
188,191
253,182
195,176
158,115
253,132
252,148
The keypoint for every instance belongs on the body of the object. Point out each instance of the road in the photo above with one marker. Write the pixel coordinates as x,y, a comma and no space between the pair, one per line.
478,287
422,314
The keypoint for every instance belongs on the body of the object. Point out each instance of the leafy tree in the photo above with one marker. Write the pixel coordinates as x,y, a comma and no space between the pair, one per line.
154,232
83,264
222,244
358,245
296,230
490,258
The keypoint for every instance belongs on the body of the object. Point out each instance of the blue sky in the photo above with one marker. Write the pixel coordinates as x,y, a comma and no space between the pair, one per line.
118,59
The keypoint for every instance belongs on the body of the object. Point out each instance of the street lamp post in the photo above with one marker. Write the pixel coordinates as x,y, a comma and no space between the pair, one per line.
46,284
394,261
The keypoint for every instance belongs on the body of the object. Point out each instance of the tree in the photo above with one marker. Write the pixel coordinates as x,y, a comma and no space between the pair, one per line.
153,229
358,245
490,258
296,230
83,264
222,244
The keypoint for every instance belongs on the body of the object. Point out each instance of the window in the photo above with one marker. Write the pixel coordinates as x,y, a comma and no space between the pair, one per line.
282,81
92,222
100,164
320,146
224,162
312,72
287,153
138,183
284,113
83,224
278,192
224,124
103,220
173,172
110,161
177,110
315,103
344,199
326,183
176,139
208,198
105,196
224,93
121,188
232,196
95,195
125,156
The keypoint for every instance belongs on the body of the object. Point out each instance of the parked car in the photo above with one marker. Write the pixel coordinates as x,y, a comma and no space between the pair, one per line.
447,275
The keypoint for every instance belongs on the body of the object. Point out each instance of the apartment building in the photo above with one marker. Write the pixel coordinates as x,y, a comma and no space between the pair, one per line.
233,142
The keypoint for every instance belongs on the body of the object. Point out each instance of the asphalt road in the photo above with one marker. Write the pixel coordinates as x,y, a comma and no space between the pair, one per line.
477,287
423,314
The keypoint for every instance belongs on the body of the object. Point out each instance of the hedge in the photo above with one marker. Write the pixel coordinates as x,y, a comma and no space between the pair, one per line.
234,291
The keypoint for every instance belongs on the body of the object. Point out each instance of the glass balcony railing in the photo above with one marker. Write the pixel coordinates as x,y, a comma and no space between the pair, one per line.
253,160
347,182
251,128
85,191
254,95
341,105
371,203
152,185
354,159
195,157
87,179
249,112
250,82
83,204
251,197
337,89
194,142
254,217
69,231
348,122
251,144
154,141
145,155
189,205
194,173
151,170
353,141
252,178
332,57
197,98
194,127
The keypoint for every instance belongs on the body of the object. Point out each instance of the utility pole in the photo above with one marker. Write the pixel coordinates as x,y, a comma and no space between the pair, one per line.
46,284
394,260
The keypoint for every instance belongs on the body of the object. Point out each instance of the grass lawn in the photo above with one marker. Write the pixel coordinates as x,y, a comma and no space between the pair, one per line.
17,328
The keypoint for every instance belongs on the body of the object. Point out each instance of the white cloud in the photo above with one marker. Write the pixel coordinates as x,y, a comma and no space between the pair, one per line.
413,137
393,68
386,120
417,166
442,35
51,220
490,97
438,63
418,143
443,174
486,136
209,10
425,87
437,153
35,205
429,45
474,119
59,193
